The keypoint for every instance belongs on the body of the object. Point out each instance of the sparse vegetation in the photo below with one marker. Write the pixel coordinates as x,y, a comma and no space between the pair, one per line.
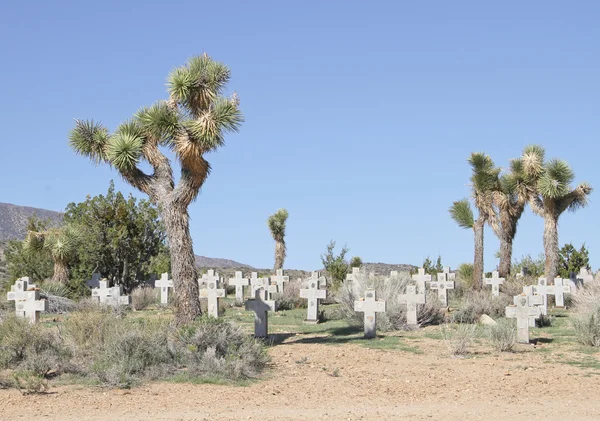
143,297
459,338
503,335
586,321
476,303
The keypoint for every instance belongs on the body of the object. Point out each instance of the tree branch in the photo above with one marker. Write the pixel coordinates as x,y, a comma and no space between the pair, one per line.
138,179
194,172
537,206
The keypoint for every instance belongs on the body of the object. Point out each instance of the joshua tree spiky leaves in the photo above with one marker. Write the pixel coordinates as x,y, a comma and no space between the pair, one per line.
191,123
552,196
484,180
276,224
61,243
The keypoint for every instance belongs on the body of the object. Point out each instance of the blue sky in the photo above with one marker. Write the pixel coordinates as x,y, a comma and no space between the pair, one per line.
359,115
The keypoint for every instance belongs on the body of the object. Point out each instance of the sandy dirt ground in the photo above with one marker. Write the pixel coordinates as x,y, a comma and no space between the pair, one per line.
311,380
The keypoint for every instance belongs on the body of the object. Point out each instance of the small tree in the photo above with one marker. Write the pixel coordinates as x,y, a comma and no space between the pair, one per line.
276,224
356,262
336,266
20,262
432,269
572,260
191,123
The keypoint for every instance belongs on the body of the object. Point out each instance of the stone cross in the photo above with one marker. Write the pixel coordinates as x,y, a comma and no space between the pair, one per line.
209,276
411,298
272,289
110,296
212,293
523,310
560,288
95,281
164,283
495,281
421,278
444,282
18,291
31,307
370,307
257,283
543,289
280,280
260,306
313,294
583,277
535,299
353,277
239,282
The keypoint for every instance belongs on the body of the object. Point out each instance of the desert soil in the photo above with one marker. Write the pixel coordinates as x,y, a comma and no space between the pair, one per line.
312,380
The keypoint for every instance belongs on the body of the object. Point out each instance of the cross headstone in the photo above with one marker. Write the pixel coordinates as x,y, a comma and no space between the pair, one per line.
353,277
239,282
209,276
313,294
523,311
583,277
112,296
535,299
559,289
212,293
31,307
164,283
543,289
257,283
370,307
411,298
495,281
95,281
443,283
421,278
272,289
260,306
280,279
19,289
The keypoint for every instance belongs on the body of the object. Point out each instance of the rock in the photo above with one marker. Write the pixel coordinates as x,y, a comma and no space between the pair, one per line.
487,320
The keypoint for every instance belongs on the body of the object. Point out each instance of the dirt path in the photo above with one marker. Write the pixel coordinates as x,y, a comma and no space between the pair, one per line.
315,381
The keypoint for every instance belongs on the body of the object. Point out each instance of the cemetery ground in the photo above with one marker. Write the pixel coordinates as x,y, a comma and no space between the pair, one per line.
328,371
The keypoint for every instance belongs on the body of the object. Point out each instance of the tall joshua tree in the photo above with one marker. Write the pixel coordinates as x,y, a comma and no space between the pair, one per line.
553,195
276,224
484,181
62,245
191,123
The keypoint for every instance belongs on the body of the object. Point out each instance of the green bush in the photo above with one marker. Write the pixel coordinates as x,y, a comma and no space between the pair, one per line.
503,335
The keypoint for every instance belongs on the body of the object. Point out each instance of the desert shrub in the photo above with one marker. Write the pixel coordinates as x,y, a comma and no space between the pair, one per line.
390,290
586,320
544,320
30,347
532,267
86,330
458,339
476,303
143,297
29,382
513,285
217,348
503,335
464,280
290,299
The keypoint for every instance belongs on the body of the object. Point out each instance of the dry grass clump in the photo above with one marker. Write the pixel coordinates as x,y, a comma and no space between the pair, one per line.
290,299
388,290
476,303
586,320
503,335
144,297
459,339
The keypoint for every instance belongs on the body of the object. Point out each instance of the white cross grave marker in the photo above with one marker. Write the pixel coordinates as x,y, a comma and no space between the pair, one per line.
370,306
582,278
411,298
313,294
535,299
523,311
240,282
559,289
543,289
421,278
257,283
354,275
444,282
31,307
164,283
495,281
112,296
212,293
272,289
209,276
95,281
280,279
260,306
19,289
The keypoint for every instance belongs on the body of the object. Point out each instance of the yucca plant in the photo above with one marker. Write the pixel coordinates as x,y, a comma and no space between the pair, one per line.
276,224
62,245
191,123
553,195
484,181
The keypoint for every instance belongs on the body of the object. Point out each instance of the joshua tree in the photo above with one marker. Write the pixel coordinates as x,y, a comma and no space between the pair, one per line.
276,224
552,196
484,180
191,123
61,243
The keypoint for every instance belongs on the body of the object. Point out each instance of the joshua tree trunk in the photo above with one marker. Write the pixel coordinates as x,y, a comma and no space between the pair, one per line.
551,245
61,272
478,259
505,257
279,254
183,265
